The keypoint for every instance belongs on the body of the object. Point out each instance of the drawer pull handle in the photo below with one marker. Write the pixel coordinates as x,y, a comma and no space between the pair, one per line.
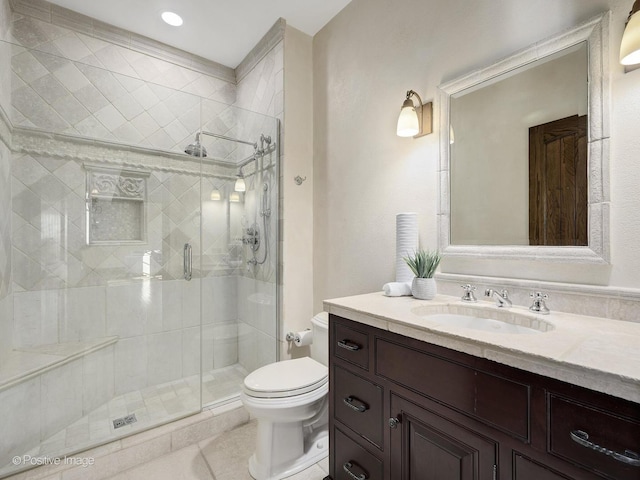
349,345
628,457
349,402
347,468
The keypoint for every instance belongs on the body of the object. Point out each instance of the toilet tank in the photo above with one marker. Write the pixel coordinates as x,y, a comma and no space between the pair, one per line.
320,345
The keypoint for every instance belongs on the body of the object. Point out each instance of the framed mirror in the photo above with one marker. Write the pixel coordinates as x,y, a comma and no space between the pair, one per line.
524,153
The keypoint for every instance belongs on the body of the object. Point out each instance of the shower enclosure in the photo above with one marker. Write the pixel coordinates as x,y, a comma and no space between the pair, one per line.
143,278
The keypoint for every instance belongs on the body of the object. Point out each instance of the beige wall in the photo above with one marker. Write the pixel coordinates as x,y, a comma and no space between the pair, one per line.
297,209
364,61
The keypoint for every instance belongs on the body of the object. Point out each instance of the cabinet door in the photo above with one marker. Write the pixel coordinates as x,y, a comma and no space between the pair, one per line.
426,446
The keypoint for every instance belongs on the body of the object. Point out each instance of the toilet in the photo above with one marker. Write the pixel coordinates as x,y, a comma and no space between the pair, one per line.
290,402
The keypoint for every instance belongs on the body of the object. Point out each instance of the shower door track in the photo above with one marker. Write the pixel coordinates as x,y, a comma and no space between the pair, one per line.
224,137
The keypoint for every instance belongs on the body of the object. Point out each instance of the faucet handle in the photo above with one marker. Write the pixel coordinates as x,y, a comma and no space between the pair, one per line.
468,295
539,296
539,305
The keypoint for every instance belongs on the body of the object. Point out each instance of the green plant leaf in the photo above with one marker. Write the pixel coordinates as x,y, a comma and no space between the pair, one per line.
423,263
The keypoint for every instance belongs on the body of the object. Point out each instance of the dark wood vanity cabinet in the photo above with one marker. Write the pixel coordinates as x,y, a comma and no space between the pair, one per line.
402,409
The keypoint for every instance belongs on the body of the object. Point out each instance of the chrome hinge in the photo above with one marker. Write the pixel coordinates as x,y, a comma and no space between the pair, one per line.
495,472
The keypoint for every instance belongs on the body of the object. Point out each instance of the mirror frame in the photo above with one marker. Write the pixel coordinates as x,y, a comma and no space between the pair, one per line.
596,33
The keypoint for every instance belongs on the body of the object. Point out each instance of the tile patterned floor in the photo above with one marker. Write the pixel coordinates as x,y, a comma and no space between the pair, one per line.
152,406
224,457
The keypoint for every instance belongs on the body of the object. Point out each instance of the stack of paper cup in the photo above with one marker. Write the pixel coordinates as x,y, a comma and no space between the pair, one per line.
406,244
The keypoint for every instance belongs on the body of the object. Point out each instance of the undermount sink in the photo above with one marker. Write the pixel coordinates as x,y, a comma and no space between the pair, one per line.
506,321
483,324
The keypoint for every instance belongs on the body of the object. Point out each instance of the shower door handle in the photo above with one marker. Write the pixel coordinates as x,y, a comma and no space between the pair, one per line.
187,262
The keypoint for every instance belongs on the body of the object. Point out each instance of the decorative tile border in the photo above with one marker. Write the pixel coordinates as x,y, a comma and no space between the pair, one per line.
37,142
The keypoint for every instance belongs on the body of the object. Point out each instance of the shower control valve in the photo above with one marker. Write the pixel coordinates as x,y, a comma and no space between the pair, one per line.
251,237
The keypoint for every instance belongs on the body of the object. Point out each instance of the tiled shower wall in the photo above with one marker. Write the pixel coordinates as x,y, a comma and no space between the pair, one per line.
74,84
5,57
68,82
6,304
68,291
261,90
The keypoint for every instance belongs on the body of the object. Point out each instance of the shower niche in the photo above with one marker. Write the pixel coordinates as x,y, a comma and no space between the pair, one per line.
116,206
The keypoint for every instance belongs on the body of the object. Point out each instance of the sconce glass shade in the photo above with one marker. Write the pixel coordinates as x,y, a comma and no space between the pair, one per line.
240,186
215,194
234,197
630,45
408,123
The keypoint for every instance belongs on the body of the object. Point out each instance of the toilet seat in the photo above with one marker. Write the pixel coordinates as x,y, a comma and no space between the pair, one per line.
286,379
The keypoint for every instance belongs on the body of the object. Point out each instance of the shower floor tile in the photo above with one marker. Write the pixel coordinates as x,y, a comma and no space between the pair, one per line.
152,406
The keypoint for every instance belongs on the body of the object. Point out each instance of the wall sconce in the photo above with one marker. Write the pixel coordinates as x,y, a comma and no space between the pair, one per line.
415,121
235,197
630,45
240,186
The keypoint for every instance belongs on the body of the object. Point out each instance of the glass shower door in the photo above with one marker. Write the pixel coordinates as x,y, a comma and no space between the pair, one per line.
240,183
105,331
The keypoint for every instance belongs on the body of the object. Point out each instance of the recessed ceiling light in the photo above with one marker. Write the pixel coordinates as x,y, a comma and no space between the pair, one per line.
172,19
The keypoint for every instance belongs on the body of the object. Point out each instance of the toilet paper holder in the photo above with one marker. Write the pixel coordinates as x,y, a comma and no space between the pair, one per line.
293,336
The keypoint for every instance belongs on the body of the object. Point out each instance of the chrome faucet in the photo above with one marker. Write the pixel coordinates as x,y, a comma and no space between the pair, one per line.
539,305
501,297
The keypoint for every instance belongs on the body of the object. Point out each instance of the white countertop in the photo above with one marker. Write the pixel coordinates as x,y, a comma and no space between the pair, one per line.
596,353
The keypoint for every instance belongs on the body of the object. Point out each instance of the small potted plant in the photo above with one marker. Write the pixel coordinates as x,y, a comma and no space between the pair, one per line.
423,264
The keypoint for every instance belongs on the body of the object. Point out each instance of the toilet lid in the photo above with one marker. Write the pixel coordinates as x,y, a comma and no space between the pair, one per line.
286,378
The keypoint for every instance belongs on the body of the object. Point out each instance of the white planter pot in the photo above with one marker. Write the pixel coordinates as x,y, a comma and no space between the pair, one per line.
423,288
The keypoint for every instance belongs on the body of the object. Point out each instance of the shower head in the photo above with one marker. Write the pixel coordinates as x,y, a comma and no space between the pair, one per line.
196,149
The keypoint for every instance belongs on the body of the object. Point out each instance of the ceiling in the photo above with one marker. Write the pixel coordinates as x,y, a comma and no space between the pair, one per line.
221,30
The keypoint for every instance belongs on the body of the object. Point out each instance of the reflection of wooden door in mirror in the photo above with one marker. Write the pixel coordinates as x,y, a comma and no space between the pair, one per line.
558,182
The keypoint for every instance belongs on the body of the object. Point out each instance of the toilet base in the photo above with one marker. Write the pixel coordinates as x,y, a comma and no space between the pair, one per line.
316,448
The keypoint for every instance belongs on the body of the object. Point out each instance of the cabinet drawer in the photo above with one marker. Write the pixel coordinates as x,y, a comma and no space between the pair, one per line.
478,394
527,469
606,429
353,461
358,404
351,345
